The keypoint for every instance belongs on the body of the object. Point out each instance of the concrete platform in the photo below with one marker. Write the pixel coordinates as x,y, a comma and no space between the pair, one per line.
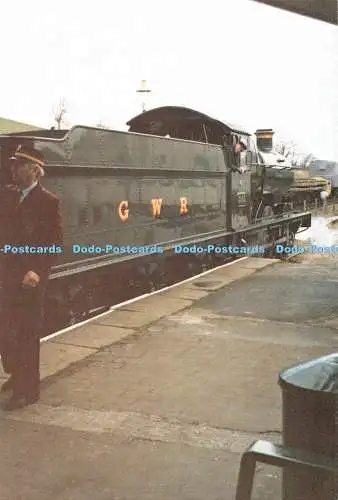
159,399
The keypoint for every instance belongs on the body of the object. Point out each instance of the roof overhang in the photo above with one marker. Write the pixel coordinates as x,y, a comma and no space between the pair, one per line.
322,10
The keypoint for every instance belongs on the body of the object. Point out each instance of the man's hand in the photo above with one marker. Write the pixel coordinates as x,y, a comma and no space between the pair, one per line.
30,280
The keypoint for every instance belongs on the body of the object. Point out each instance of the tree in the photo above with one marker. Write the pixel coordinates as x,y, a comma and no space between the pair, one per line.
290,150
60,112
287,149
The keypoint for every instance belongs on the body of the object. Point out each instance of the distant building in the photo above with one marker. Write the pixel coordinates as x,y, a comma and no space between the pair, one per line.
10,126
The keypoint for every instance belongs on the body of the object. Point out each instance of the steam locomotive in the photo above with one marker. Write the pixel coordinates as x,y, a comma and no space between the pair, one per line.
177,178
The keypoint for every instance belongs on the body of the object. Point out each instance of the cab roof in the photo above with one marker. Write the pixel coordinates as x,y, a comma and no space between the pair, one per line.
162,120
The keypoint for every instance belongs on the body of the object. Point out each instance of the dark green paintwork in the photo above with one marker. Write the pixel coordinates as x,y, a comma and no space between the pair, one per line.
93,170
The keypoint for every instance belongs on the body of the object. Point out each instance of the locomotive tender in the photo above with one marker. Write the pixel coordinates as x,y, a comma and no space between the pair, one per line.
124,191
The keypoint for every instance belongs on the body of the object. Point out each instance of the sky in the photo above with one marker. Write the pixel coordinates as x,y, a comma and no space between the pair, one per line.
236,60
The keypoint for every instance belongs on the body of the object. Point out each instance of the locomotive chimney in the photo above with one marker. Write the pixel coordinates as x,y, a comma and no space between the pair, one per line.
264,139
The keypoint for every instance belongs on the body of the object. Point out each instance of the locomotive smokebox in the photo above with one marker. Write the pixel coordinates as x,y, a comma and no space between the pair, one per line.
264,139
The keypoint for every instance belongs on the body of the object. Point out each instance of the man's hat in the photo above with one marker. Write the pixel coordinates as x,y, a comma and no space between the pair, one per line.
29,154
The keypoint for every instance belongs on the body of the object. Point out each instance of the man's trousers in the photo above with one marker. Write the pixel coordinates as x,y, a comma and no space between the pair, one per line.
21,321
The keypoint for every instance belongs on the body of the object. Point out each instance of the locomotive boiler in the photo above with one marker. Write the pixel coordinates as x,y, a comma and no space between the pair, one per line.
284,182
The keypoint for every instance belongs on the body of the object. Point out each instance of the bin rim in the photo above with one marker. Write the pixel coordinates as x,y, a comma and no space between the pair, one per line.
318,375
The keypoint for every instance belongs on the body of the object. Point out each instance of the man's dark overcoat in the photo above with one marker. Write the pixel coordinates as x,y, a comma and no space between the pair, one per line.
35,222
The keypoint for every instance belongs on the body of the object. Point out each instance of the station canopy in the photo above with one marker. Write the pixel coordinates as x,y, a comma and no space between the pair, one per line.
322,10
183,123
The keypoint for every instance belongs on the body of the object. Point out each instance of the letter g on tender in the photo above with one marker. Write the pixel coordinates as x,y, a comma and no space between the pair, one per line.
123,210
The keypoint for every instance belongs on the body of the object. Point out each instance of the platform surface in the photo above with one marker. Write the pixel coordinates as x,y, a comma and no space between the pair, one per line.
157,400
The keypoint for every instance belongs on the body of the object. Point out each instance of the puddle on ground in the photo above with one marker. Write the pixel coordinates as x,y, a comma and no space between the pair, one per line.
320,233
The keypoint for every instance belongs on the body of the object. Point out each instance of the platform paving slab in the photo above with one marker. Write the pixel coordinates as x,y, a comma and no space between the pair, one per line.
186,291
128,319
56,357
212,284
158,306
258,263
93,336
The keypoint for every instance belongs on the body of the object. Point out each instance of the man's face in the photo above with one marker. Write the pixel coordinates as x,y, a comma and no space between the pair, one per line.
24,173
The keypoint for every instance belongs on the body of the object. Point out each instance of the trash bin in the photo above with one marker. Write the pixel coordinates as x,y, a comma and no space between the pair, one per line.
310,423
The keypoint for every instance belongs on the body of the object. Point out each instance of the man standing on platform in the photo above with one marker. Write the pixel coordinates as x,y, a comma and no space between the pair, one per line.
30,218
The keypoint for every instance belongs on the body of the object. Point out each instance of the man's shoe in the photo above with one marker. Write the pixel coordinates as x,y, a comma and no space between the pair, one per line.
16,402
7,386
